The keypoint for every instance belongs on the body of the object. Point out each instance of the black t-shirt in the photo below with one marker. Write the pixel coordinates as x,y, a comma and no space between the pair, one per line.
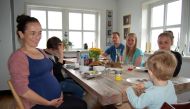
57,67
179,63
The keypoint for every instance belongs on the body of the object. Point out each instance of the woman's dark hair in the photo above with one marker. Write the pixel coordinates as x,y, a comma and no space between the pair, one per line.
23,20
53,42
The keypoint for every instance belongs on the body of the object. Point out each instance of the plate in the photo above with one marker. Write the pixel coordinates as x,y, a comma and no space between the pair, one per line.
136,80
94,73
69,66
113,70
91,74
141,69
116,69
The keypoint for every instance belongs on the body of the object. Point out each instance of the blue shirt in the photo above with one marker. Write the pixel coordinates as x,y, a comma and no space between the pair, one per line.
153,97
112,51
137,53
41,79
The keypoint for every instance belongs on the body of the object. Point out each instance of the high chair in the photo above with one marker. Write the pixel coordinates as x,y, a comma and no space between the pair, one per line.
185,105
16,96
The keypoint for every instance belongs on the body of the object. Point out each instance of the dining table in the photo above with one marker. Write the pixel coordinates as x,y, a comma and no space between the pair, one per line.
106,90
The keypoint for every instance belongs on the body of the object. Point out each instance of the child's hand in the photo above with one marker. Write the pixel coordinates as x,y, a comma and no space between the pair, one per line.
139,88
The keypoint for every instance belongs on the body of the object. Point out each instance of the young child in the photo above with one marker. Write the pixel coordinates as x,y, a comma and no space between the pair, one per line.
159,89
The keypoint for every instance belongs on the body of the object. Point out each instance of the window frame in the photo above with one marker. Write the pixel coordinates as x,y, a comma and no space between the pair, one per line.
82,30
185,24
65,20
165,26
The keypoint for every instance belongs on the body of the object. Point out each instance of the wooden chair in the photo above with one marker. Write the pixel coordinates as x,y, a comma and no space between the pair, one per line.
16,96
167,106
185,105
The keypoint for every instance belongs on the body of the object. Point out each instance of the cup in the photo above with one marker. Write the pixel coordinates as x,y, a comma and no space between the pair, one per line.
99,68
76,65
83,69
130,67
118,76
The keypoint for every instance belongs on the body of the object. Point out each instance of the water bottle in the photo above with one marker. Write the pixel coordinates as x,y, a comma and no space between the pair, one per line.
82,60
118,57
78,57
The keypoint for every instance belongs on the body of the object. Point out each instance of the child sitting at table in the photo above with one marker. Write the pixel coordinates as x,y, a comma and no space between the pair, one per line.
159,89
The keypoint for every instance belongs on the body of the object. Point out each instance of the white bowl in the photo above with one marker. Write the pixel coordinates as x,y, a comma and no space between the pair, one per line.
99,68
84,68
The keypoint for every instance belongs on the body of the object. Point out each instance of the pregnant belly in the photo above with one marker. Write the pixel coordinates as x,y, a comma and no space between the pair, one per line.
46,86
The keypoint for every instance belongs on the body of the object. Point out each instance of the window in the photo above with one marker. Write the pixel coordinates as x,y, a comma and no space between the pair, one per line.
51,25
165,15
82,30
78,26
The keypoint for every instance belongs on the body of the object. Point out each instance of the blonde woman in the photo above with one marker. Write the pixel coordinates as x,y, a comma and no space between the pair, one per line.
165,41
133,55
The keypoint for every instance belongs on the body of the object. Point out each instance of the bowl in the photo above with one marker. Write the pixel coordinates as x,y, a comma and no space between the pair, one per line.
99,68
84,68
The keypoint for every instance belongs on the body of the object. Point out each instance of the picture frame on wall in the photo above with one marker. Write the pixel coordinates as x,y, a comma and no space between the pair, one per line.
126,31
109,32
109,24
127,20
108,41
109,13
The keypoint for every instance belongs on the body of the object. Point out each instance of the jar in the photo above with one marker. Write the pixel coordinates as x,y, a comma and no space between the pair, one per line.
118,75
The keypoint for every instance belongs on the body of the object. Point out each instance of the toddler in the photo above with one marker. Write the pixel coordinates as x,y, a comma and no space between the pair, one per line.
159,89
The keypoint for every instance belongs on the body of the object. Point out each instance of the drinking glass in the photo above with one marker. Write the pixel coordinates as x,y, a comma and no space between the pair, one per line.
130,66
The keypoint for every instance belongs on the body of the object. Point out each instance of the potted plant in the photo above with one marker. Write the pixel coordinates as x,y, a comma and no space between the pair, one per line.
67,44
94,53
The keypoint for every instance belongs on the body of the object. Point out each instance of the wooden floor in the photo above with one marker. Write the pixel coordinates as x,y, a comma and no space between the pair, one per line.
7,102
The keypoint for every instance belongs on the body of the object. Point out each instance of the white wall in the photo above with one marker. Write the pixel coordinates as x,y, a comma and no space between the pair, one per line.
5,41
134,8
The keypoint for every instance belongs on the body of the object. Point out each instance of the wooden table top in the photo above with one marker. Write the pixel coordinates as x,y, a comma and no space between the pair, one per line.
106,90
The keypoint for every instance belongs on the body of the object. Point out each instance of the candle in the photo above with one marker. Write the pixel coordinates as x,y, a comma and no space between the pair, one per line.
178,39
148,47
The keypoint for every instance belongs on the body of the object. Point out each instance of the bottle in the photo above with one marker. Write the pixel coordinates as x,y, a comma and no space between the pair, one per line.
118,57
78,56
82,60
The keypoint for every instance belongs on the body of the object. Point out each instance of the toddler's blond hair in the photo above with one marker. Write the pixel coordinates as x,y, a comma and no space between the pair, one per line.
162,64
